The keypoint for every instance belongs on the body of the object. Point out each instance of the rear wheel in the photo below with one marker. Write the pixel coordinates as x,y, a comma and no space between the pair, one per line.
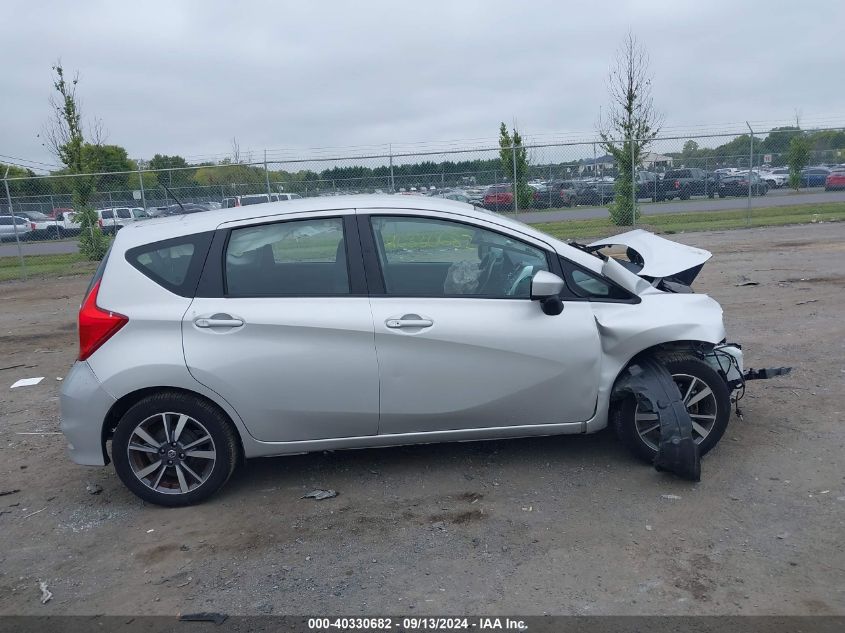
174,449
705,395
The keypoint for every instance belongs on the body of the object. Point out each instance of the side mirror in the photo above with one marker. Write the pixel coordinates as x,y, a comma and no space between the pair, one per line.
546,287
545,284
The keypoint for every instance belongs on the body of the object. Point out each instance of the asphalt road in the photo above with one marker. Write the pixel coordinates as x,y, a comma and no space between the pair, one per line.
777,198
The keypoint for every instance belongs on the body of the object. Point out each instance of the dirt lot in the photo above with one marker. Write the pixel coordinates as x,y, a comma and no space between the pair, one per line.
567,525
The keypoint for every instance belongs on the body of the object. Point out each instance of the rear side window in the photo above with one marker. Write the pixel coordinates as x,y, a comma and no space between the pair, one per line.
294,258
108,215
124,213
174,264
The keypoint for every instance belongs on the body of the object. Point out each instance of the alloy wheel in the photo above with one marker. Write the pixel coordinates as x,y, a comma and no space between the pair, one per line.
701,405
171,453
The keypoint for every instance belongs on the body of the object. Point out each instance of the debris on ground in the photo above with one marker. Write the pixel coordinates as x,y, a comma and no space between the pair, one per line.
26,382
670,497
46,594
93,489
217,618
320,494
36,512
742,280
4,493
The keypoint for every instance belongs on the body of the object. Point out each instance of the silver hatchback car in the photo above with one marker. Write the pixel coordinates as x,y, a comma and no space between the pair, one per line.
367,321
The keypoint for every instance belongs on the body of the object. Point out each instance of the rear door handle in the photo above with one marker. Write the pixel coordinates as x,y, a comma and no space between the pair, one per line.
408,321
211,322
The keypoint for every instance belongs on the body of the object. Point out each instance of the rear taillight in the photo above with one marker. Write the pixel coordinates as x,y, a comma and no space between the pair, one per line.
32,225
96,326
100,222
677,184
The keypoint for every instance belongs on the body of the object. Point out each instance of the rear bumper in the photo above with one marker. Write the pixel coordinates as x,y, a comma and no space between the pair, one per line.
84,406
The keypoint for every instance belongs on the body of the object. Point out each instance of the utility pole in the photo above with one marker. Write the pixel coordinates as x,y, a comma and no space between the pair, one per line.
392,181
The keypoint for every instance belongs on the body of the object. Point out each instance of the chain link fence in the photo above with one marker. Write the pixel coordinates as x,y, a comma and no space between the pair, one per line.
40,227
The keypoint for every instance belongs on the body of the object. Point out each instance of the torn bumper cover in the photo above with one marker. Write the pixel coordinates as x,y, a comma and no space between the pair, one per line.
656,392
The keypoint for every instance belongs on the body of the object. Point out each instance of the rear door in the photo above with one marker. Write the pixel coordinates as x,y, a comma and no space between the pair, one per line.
460,344
281,328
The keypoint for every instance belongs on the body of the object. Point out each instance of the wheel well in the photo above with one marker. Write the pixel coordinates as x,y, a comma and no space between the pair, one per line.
119,409
669,346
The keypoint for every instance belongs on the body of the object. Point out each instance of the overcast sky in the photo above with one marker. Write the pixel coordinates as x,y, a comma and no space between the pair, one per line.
185,77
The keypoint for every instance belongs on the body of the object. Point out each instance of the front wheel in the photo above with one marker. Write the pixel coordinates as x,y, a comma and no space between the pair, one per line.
174,449
707,400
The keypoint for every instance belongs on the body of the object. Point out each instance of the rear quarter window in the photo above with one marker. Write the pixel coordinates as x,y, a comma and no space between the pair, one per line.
173,264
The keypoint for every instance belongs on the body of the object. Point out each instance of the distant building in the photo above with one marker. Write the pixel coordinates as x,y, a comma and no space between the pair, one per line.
651,160
598,165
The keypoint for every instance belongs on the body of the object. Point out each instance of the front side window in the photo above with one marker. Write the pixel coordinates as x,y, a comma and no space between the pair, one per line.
440,258
296,258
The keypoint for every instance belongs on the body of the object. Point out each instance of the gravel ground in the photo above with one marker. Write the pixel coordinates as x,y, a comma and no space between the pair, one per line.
566,525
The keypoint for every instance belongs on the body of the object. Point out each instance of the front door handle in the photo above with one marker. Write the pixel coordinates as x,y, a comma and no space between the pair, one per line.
408,321
218,320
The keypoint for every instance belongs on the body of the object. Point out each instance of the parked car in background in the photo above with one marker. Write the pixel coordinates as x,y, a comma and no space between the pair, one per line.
67,224
775,178
554,194
685,183
599,192
648,185
113,219
737,185
814,176
257,198
14,227
498,198
361,322
176,209
54,213
835,180
42,225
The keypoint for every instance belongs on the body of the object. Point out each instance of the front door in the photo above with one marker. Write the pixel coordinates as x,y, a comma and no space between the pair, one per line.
460,344
289,343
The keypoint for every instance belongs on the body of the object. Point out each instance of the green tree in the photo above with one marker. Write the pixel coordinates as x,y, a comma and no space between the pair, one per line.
510,149
632,123
690,149
66,139
797,157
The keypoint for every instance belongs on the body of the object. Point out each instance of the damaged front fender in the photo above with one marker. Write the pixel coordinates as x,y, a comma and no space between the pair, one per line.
652,385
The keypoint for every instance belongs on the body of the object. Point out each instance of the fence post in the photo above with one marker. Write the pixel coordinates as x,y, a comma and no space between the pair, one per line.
266,173
14,223
515,196
141,184
392,181
633,186
750,166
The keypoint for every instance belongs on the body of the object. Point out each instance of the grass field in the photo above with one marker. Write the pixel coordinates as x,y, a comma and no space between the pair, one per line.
45,266
701,221
75,264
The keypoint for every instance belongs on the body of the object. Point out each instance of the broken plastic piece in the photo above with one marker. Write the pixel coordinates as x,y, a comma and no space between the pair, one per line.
652,385
320,494
46,594
768,372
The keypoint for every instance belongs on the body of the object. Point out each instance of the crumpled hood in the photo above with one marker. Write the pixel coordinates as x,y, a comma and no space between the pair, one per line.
660,257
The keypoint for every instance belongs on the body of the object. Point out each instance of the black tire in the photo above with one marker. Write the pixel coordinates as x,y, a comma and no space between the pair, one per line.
215,423
622,416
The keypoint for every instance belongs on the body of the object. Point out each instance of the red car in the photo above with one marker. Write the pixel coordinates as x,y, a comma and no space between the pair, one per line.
835,180
498,198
